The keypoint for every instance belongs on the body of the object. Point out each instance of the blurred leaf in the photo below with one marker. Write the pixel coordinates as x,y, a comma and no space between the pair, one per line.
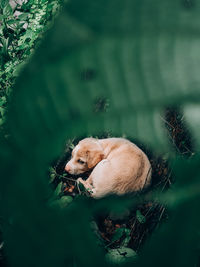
95,229
19,68
2,111
179,233
58,189
63,202
139,55
120,65
192,115
2,101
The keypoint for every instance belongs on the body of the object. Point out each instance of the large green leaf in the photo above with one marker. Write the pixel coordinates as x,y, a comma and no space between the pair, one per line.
140,56
177,242
130,53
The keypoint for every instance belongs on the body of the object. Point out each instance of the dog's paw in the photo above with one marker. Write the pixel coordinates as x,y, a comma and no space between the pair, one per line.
93,192
80,180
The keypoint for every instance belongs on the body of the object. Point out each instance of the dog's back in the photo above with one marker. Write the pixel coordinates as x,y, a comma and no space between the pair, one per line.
129,169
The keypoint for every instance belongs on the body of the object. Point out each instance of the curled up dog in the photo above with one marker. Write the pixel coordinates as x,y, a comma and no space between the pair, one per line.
117,166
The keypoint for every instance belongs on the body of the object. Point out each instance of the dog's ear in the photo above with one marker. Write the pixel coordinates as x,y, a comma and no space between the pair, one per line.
94,157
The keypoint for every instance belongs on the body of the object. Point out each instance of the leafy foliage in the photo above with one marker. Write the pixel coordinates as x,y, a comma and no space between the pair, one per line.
22,24
134,56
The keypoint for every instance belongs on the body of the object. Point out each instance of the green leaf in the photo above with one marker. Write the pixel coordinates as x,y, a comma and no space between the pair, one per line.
27,5
7,10
2,17
141,218
12,21
23,16
122,232
58,189
4,3
19,68
127,238
120,255
5,44
118,234
29,34
63,202
2,101
2,111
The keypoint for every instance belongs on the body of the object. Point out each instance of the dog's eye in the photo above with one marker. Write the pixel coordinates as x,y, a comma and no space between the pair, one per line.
80,161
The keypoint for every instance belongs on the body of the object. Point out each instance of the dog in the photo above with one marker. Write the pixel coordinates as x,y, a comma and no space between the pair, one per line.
117,166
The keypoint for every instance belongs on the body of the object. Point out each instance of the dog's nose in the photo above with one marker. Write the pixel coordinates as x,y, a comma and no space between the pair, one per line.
67,168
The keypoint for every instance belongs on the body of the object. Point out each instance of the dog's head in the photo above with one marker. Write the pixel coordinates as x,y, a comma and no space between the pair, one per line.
85,156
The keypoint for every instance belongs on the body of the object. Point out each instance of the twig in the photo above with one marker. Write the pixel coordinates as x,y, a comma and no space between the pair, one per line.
167,122
79,191
161,214
70,179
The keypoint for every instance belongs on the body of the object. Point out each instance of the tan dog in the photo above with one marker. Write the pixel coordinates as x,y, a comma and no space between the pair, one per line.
119,166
